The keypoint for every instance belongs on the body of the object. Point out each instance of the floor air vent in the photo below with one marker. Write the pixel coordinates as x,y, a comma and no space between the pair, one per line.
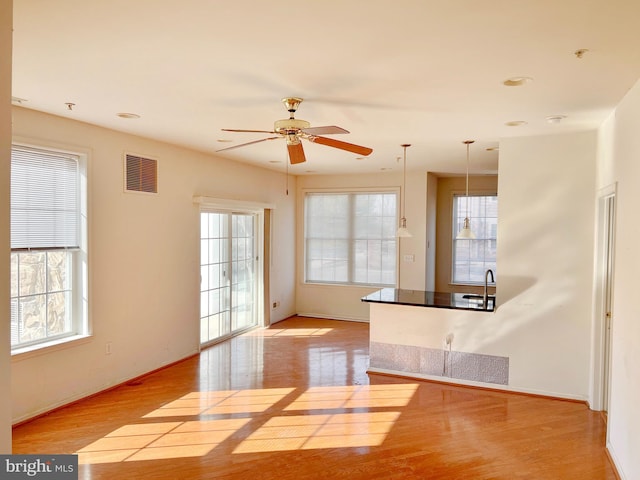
141,174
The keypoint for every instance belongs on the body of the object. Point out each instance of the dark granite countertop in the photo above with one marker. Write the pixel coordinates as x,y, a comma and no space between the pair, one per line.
419,298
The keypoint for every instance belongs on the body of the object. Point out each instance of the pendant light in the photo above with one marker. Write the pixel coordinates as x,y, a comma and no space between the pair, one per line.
466,233
402,230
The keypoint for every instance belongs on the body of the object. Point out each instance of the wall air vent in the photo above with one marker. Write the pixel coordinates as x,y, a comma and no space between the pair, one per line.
141,174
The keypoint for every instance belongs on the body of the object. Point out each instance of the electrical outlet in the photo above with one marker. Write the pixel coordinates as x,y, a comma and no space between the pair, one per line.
448,340
276,304
107,348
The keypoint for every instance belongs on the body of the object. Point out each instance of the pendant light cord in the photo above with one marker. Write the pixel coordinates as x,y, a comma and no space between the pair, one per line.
468,179
404,179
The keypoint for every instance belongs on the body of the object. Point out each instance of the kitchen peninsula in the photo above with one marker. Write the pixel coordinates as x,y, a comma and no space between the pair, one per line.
431,335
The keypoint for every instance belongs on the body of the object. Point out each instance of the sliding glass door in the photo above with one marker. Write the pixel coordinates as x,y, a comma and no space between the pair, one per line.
228,261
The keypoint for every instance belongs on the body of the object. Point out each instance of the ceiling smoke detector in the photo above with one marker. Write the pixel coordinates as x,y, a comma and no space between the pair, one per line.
555,118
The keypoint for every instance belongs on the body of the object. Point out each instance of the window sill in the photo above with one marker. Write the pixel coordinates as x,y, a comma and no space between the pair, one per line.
48,347
349,285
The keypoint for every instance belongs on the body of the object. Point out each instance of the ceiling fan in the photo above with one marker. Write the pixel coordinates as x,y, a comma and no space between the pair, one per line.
293,130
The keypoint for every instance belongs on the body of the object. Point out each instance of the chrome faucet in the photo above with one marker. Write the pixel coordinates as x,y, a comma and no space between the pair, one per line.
485,297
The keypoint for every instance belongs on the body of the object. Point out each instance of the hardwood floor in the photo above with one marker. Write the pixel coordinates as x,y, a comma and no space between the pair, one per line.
295,402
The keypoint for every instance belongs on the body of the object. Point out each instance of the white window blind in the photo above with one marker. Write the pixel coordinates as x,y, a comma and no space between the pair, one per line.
45,211
350,238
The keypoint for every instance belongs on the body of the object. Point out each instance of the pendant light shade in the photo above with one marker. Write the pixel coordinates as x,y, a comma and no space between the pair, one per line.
466,233
402,230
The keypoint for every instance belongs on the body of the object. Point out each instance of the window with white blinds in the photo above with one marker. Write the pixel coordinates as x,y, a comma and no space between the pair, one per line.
472,257
45,211
350,238
48,257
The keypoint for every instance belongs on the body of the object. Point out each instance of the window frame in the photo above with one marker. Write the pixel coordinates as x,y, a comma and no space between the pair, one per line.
351,240
454,230
79,284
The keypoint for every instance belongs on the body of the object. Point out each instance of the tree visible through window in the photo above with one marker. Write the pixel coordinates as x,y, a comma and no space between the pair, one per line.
350,238
472,258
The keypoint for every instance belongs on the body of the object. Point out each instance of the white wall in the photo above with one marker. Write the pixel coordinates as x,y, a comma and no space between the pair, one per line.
620,162
546,189
344,302
6,19
144,260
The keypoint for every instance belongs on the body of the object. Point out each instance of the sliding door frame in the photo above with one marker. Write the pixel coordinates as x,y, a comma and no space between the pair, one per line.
263,213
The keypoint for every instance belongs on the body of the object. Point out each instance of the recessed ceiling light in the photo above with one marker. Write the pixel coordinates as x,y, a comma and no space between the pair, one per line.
385,168
128,115
517,81
275,161
555,118
515,123
360,158
310,171
224,140
493,149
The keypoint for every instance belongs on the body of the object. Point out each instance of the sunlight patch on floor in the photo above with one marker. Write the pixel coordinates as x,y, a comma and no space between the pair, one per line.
231,401
289,332
151,441
354,396
307,432
281,430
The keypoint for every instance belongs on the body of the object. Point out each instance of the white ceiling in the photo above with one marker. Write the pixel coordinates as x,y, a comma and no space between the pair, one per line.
425,72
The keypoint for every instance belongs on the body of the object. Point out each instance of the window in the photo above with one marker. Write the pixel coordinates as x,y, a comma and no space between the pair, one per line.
48,255
472,258
350,238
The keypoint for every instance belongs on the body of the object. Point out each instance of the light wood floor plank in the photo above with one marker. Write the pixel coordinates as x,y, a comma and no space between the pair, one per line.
295,402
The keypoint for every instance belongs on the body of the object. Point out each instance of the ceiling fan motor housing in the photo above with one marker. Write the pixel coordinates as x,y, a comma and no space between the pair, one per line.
290,126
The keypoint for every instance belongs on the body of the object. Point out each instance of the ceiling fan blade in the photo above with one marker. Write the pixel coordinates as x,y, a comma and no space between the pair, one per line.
296,153
349,147
246,131
328,130
248,143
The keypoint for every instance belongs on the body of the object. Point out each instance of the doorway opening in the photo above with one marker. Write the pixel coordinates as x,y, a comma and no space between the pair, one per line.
604,298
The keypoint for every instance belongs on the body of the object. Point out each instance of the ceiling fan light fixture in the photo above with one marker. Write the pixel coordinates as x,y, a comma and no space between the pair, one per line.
293,139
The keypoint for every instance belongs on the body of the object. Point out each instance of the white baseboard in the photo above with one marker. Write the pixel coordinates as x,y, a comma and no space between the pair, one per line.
470,383
614,460
333,317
